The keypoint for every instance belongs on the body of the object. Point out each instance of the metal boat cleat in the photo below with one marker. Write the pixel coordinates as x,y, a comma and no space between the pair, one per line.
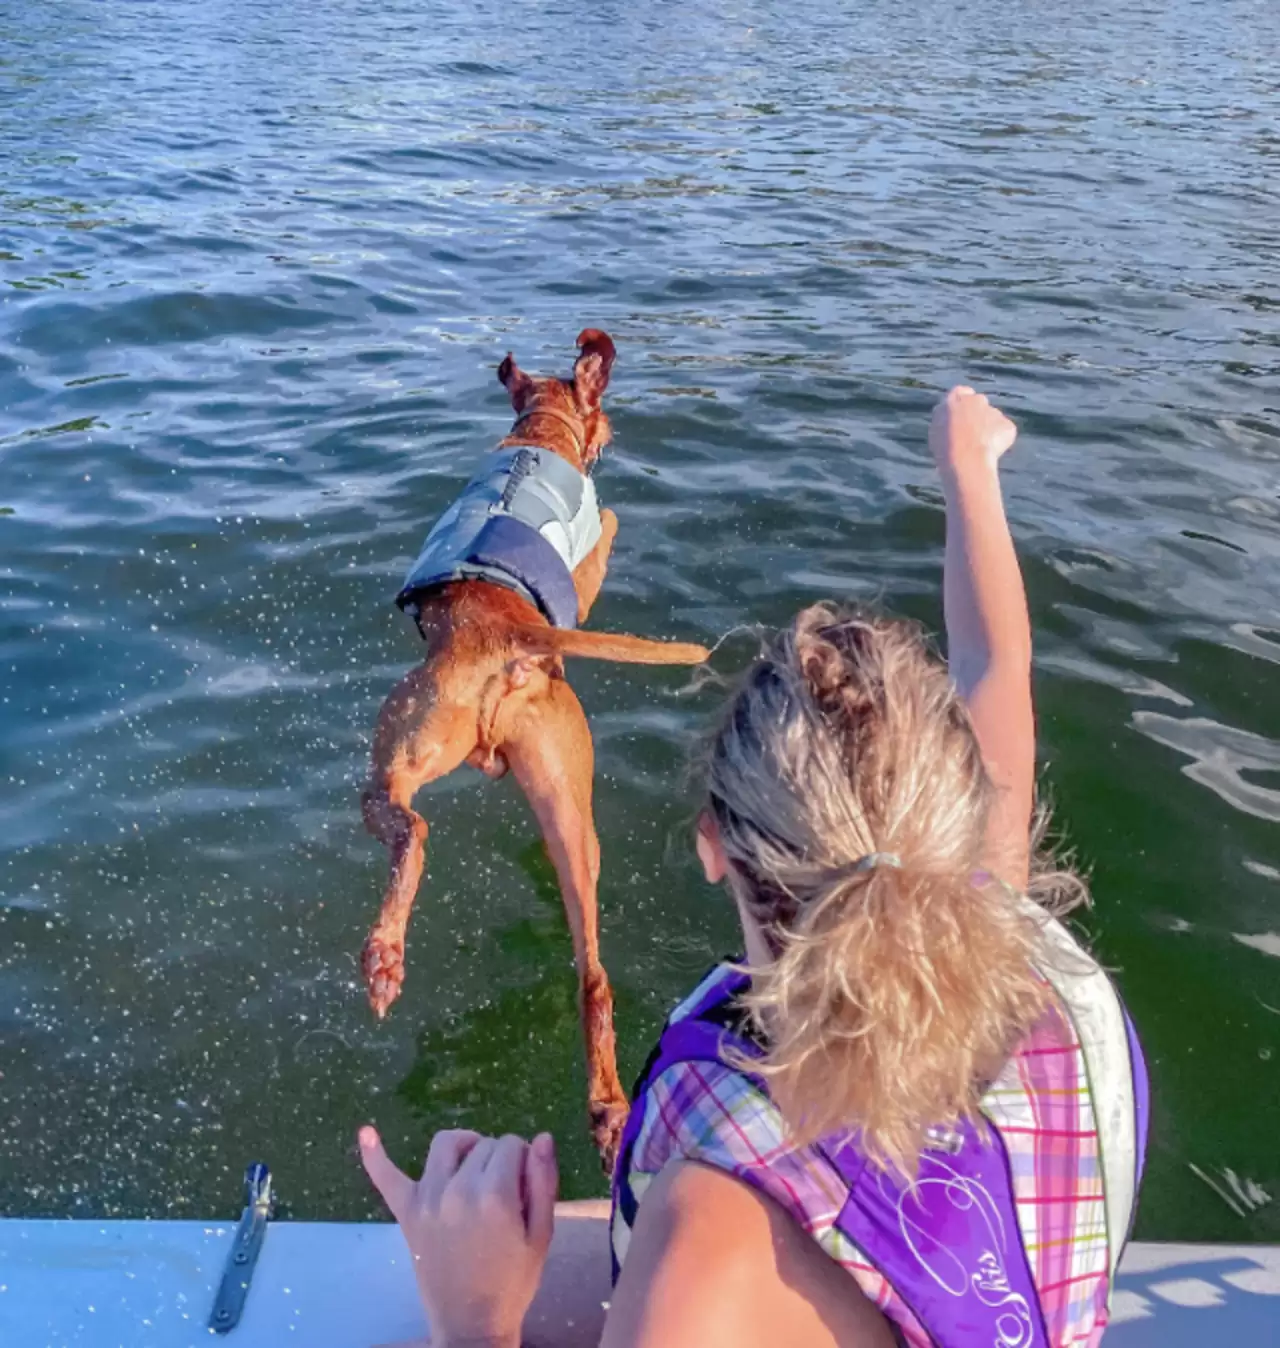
228,1305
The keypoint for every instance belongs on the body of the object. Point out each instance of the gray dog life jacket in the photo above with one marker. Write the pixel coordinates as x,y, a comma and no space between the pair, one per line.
525,521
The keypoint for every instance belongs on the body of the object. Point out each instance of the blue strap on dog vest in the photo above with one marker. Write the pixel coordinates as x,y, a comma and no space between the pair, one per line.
525,521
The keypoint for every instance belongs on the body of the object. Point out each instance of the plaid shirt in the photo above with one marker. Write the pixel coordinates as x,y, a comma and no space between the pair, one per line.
1040,1105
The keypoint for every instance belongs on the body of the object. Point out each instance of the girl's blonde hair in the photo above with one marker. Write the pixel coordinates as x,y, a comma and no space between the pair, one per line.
895,990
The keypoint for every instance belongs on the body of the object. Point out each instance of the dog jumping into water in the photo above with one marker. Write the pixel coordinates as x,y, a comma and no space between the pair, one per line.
504,579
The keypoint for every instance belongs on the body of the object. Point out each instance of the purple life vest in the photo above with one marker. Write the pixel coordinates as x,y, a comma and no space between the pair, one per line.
952,1248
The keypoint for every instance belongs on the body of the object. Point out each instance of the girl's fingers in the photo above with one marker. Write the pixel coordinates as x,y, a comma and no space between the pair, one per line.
390,1181
504,1171
469,1175
449,1151
542,1182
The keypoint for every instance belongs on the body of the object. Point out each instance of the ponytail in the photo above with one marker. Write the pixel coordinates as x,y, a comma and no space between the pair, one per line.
851,801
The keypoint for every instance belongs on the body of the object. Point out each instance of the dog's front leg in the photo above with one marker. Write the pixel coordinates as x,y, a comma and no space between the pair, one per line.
589,574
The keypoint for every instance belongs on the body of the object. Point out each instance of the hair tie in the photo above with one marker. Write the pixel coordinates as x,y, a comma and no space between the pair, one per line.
873,860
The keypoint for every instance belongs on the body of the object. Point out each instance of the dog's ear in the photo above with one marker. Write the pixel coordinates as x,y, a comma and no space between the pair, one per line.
518,384
591,369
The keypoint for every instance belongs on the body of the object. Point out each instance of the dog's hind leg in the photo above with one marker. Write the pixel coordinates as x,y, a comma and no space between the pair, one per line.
418,739
548,746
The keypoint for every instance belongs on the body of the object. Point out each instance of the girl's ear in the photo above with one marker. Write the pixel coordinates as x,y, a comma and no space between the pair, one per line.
715,865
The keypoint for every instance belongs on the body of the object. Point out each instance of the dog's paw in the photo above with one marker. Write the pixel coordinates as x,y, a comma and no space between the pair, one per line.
382,962
608,1119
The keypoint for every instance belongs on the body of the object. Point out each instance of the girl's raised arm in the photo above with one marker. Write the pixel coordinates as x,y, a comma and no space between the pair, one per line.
988,630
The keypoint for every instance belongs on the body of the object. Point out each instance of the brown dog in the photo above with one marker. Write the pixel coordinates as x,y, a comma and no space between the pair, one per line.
499,568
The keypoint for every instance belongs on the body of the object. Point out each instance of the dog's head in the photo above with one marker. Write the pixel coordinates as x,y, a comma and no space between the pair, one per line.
575,401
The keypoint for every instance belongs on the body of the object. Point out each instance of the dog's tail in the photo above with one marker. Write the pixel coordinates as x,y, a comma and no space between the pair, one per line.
608,646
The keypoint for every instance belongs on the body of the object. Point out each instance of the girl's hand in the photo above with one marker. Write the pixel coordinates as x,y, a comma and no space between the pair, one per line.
478,1225
966,429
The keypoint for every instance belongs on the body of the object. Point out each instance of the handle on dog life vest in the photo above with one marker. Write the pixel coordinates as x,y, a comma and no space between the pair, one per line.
228,1305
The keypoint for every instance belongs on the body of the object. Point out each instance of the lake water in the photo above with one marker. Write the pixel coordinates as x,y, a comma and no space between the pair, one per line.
259,263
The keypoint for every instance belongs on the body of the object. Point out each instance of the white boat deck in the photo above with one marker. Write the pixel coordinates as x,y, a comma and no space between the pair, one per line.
348,1285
